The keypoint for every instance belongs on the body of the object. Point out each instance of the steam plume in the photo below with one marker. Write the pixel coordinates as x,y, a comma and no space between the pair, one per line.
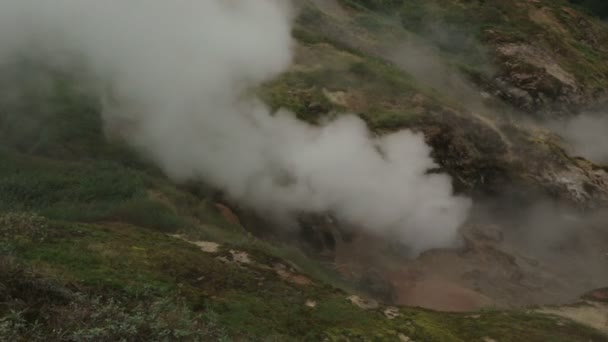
586,134
179,74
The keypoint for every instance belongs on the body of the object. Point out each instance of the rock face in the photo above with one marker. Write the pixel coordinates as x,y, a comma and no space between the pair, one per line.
581,183
533,81
539,60
556,70
473,152
493,82
487,159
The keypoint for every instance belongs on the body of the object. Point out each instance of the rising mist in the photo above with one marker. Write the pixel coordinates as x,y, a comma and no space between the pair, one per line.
586,135
176,79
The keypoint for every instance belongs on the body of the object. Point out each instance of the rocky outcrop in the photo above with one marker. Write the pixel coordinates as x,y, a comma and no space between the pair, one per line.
533,81
558,68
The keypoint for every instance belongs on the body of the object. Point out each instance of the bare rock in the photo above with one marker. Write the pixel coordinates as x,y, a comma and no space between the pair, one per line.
366,304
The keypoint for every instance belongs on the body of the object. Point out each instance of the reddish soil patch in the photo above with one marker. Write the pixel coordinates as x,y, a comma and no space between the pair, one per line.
438,294
600,295
228,214
288,276
603,295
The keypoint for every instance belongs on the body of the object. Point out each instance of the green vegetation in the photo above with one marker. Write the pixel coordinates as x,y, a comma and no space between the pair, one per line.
450,26
85,253
85,257
113,281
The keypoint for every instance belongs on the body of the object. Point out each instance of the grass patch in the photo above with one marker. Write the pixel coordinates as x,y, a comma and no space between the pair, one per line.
122,276
82,191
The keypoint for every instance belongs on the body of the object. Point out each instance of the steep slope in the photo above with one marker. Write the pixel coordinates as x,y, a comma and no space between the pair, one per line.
97,244
90,274
423,66
450,91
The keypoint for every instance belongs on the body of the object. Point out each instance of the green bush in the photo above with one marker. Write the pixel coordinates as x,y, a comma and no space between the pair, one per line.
88,318
33,308
54,187
85,192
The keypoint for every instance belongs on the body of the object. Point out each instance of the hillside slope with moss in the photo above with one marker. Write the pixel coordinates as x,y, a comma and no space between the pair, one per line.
96,244
469,85
104,262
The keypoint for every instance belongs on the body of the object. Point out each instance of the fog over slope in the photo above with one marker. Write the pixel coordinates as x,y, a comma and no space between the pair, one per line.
586,134
176,79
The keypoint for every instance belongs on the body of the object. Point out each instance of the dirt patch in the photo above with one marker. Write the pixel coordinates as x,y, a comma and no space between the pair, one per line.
391,312
228,214
311,303
284,273
495,267
339,98
159,196
591,314
545,17
538,58
240,257
366,304
205,246
208,246
403,338
439,294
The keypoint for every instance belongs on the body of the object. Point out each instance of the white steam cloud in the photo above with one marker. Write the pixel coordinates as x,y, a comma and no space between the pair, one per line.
587,134
180,72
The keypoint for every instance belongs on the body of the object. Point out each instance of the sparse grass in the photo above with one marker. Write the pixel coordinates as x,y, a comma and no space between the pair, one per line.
300,93
448,24
385,91
127,281
41,309
389,121
23,226
82,191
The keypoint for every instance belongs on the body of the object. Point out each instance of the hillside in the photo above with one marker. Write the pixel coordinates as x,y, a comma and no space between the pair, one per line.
100,241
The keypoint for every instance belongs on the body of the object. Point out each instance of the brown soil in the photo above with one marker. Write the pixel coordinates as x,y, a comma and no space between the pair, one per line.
442,295
489,270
